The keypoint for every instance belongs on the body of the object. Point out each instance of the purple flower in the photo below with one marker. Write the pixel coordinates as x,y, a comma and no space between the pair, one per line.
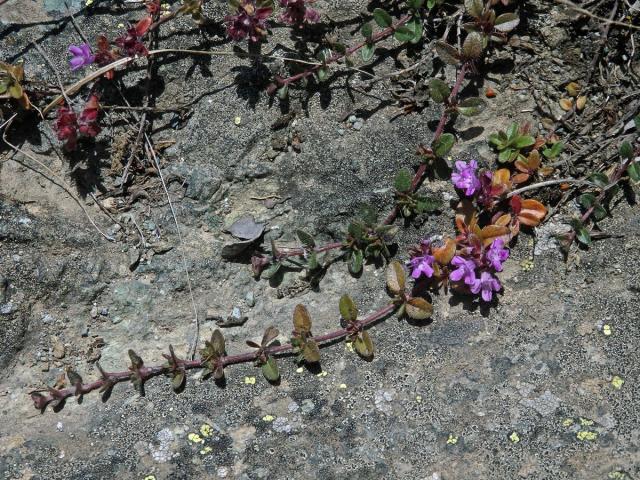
248,21
497,254
465,178
421,265
297,12
487,284
81,56
466,269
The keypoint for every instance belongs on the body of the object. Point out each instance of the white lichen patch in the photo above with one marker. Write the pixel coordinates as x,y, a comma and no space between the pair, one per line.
383,399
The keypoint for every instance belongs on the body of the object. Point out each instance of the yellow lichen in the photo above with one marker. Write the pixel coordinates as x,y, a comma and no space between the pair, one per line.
452,440
418,398
617,475
205,450
148,477
514,437
349,346
617,382
606,329
299,369
268,418
250,380
567,422
206,430
586,435
237,120
585,422
195,438
342,386
322,374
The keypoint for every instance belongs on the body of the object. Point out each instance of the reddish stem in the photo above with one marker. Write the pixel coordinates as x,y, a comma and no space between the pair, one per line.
382,34
615,177
298,252
422,169
42,400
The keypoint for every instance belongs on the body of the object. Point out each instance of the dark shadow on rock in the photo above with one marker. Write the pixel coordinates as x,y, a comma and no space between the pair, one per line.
473,304
471,133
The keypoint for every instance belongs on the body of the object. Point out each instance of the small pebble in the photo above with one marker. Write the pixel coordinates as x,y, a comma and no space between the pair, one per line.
250,299
357,125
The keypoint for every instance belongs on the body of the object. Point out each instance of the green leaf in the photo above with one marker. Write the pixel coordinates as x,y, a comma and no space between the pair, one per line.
270,334
474,7
425,205
382,18
367,52
355,262
301,320
523,141
587,200
415,25
312,261
306,239
447,53
505,155
323,74
363,345
415,4
356,230
396,277
15,90
554,150
582,234
472,46
177,381
431,4
633,170
3,87
599,179
74,377
418,308
599,212
348,309
445,143
471,106
270,370
136,361
366,30
368,214
311,352
439,90
636,121
402,182
403,34
283,92
495,139
506,22
217,341
626,150
512,132
271,271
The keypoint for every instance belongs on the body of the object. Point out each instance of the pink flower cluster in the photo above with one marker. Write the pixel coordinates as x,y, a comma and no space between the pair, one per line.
296,12
249,21
69,127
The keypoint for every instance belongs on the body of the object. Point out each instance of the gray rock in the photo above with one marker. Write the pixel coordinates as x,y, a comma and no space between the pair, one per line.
250,299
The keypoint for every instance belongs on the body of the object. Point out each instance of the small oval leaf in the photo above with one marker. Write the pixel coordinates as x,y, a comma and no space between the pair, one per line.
418,308
348,309
447,53
270,370
301,319
396,277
